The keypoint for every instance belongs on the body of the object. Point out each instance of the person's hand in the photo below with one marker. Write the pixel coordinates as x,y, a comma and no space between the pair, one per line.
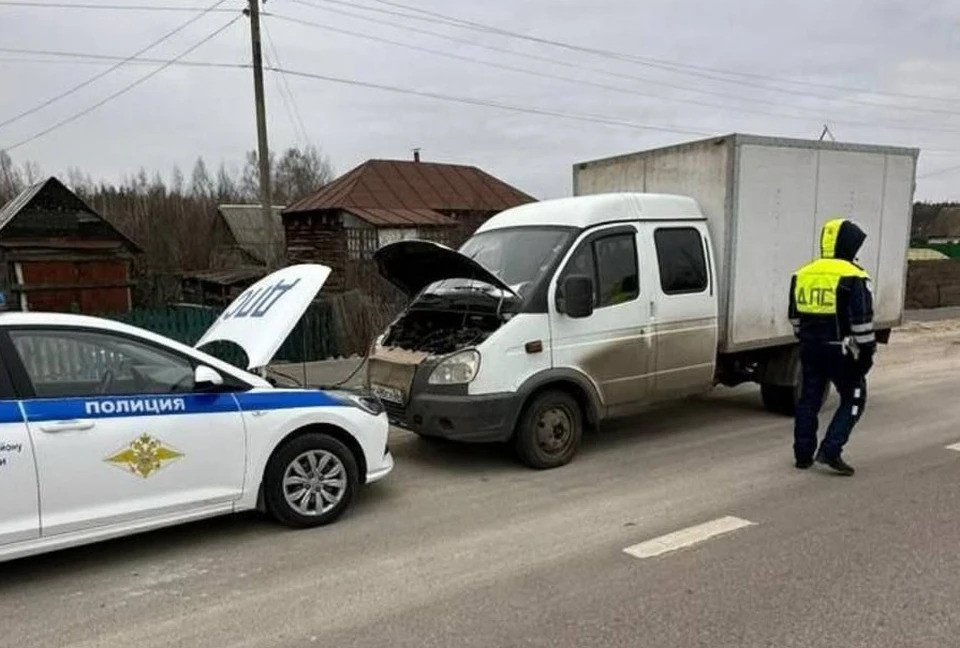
865,363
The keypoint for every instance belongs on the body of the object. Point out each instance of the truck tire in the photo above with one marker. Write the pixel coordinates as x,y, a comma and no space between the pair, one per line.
549,431
310,481
780,399
783,399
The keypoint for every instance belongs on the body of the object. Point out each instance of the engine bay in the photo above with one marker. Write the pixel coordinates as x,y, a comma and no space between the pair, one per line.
440,331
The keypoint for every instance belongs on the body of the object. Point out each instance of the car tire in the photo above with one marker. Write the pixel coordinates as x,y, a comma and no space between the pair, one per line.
549,431
310,481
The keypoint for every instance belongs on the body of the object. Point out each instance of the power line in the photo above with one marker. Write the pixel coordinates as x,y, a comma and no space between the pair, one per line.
105,7
811,84
283,97
296,118
677,64
87,57
939,172
124,89
598,119
100,75
906,126
669,66
567,64
103,59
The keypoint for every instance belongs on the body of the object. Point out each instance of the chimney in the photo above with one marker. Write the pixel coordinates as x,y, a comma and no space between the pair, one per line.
416,155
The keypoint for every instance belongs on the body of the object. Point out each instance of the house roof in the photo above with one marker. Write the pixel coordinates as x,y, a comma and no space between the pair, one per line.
227,277
401,217
52,190
245,223
946,224
414,186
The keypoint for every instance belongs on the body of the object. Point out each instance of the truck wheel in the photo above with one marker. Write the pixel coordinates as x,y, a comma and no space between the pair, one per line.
780,399
549,430
783,399
310,481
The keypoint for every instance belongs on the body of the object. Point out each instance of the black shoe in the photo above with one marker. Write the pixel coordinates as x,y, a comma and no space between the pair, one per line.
837,464
803,464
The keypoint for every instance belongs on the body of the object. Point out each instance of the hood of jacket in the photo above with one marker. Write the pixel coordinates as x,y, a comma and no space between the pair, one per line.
841,239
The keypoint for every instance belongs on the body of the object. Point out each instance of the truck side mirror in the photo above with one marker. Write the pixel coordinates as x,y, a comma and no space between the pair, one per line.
577,296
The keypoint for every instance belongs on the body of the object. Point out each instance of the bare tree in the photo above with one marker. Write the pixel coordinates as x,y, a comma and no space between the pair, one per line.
11,178
297,173
201,186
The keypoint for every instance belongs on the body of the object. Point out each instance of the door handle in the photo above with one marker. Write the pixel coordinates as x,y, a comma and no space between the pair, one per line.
653,308
67,426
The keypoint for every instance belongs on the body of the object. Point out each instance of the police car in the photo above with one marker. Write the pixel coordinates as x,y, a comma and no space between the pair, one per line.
108,430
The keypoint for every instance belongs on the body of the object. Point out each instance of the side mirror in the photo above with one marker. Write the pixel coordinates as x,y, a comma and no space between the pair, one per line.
205,377
578,296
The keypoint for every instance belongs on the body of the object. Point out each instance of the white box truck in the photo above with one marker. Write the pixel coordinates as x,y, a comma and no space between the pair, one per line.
665,275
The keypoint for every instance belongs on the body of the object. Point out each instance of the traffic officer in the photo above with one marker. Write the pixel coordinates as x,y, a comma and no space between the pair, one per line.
831,309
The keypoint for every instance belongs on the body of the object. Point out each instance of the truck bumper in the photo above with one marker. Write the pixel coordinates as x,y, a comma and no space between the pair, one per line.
475,419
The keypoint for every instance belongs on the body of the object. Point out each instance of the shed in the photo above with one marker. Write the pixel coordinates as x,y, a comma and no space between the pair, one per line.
219,287
241,238
945,227
382,201
58,254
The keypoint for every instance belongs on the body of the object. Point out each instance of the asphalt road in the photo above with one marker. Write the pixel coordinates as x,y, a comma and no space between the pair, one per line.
462,547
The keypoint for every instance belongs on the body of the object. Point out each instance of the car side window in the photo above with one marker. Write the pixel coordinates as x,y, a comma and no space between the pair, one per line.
611,261
683,268
64,363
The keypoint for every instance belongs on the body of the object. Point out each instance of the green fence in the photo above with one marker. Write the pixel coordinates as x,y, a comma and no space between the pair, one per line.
952,250
315,337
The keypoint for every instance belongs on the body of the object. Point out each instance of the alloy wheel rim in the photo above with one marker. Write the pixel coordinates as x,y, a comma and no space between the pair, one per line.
314,482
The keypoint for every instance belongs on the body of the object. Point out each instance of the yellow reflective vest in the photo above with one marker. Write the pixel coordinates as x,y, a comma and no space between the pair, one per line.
815,288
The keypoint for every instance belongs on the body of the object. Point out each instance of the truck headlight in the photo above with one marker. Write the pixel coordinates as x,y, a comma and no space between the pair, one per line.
458,369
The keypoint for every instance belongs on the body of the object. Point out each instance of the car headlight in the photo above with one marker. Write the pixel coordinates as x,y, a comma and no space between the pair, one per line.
458,369
367,402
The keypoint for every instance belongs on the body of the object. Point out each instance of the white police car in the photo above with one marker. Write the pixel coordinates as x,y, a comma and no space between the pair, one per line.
107,430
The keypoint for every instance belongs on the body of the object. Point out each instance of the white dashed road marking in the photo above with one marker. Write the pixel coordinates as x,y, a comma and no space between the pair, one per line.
955,446
686,537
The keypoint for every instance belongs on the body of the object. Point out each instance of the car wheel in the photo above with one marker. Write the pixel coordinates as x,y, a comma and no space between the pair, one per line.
550,428
310,481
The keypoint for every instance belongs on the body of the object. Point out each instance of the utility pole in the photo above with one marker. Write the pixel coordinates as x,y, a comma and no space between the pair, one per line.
263,154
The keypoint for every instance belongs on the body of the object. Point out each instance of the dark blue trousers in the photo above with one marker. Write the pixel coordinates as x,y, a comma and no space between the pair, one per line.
824,364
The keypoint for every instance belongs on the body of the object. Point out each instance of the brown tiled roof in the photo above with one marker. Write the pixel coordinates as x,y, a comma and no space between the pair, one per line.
401,217
414,186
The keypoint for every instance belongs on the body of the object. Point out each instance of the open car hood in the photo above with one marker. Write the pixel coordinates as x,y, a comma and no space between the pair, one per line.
413,265
261,318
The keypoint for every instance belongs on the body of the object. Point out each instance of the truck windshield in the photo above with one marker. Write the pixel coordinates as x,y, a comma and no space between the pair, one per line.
519,256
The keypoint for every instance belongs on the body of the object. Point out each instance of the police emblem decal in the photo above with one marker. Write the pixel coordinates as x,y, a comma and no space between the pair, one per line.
144,456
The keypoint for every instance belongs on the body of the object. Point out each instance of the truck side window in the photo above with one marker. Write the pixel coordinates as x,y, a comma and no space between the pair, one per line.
582,263
683,268
611,262
618,275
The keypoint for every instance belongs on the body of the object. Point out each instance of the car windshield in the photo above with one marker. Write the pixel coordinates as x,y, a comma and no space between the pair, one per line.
519,256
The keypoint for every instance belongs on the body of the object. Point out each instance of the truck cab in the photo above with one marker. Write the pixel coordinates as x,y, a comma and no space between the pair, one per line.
553,317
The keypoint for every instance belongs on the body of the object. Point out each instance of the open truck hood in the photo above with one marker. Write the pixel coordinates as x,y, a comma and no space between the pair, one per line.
261,318
413,265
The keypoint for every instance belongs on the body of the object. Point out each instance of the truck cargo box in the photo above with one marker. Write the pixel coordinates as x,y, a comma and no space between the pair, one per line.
765,200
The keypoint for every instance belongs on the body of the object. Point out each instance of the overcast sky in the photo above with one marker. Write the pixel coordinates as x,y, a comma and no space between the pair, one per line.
907,48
